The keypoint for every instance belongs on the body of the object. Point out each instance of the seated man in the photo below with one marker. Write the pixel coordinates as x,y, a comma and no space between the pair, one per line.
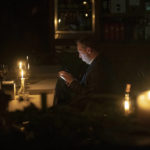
98,79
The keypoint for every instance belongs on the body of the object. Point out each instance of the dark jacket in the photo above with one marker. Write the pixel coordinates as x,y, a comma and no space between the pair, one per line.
99,79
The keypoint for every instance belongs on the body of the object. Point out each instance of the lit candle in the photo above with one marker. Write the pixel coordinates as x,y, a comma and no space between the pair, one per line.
22,80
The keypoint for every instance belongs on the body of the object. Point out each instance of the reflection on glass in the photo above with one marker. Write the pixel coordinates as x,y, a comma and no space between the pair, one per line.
73,15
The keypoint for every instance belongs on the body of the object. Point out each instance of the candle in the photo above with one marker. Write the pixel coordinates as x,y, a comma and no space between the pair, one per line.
22,81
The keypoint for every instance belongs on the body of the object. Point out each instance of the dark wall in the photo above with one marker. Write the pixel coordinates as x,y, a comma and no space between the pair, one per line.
24,30
131,62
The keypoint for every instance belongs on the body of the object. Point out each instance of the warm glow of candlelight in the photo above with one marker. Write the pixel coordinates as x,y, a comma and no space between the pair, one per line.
22,73
84,2
22,84
59,20
141,97
143,101
14,90
126,105
20,65
86,15
148,95
28,66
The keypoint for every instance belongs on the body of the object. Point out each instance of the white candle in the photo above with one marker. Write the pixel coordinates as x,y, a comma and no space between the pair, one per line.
22,81
22,84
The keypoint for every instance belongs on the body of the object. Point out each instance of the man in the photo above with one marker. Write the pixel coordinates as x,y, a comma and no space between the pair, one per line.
99,77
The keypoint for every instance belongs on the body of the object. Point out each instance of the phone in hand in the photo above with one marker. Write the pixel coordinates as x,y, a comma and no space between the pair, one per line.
62,77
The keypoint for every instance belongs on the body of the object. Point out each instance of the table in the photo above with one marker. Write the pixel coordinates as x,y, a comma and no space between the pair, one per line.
40,89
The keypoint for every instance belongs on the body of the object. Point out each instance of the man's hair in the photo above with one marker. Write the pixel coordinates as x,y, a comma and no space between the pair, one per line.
89,41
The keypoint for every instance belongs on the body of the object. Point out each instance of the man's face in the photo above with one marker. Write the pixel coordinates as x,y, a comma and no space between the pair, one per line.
83,53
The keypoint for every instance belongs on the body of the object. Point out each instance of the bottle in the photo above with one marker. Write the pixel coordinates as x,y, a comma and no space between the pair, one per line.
127,101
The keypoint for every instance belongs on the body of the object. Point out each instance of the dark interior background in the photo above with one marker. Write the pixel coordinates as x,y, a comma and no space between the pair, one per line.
26,28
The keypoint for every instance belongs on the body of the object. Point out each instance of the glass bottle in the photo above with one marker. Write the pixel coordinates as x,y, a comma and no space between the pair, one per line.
127,100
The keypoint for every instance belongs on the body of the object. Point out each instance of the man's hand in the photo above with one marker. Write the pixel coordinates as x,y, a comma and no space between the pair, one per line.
66,76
